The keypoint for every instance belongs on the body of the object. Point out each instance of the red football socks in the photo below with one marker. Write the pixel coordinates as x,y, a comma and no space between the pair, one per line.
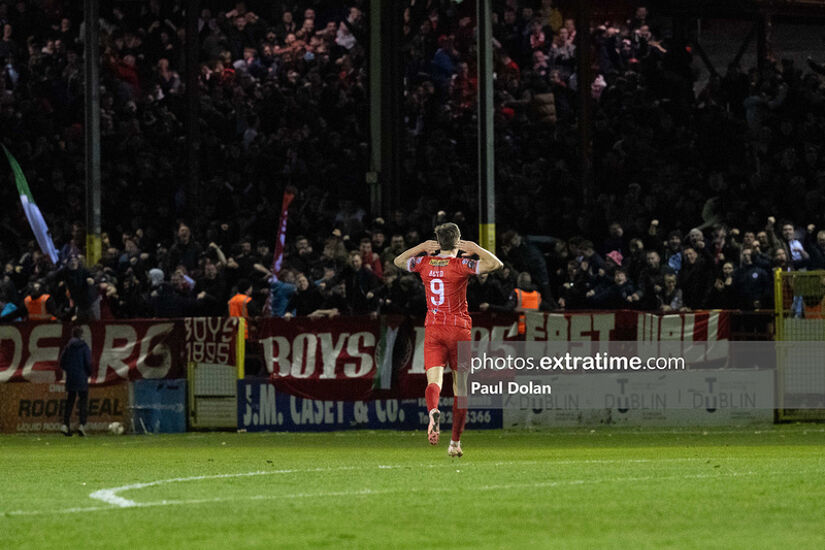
431,394
459,417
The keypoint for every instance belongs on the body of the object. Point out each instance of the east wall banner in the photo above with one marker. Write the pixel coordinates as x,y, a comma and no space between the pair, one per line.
121,350
360,358
628,326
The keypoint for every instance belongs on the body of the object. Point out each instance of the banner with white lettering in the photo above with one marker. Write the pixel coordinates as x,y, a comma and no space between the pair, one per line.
358,358
343,358
121,350
627,326
361,358
261,407
211,340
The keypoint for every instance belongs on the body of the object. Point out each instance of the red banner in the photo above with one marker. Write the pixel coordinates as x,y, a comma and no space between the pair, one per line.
357,357
211,339
280,242
346,358
628,326
120,351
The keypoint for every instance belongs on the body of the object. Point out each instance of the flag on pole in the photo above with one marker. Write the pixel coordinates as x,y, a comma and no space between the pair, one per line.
36,221
280,244
384,356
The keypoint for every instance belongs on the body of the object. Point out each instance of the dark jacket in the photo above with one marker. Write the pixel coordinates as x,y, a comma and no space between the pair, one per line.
76,360
487,292
76,281
695,281
306,301
613,296
753,284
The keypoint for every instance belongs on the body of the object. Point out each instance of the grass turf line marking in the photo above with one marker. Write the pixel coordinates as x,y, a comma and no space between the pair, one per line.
372,492
110,496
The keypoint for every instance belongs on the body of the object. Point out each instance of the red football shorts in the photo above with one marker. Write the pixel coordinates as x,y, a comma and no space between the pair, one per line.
441,345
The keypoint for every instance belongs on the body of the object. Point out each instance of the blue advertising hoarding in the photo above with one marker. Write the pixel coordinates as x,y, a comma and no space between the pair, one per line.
261,408
159,406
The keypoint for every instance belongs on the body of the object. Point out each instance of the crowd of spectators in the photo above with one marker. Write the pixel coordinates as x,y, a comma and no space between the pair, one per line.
685,184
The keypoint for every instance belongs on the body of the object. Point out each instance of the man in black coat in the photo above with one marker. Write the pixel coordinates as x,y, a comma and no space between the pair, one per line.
695,279
81,288
76,360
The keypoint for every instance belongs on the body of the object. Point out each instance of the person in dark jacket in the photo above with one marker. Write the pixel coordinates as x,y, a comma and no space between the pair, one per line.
694,279
620,294
522,255
723,294
81,289
76,361
483,291
752,283
816,248
307,299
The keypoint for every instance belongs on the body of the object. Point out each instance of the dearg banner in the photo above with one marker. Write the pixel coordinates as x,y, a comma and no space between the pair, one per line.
121,350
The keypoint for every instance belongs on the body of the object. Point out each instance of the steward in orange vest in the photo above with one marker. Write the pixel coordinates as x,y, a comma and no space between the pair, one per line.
527,298
241,305
39,304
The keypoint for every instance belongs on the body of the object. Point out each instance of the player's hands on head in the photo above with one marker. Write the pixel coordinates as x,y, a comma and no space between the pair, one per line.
468,246
430,247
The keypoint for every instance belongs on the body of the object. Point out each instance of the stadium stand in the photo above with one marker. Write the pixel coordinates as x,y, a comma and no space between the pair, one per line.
698,195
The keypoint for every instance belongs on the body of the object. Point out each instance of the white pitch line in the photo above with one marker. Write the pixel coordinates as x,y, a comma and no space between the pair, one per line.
110,496
373,492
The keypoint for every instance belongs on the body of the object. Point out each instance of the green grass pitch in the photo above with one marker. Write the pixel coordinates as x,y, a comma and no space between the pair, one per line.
605,488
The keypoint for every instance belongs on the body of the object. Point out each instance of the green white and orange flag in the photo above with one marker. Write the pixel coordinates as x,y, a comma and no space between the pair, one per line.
38,225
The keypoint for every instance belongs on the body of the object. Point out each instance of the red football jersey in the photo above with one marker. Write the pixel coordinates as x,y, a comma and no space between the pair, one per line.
445,280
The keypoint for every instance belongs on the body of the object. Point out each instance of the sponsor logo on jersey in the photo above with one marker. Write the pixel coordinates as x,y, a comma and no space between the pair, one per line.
439,263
